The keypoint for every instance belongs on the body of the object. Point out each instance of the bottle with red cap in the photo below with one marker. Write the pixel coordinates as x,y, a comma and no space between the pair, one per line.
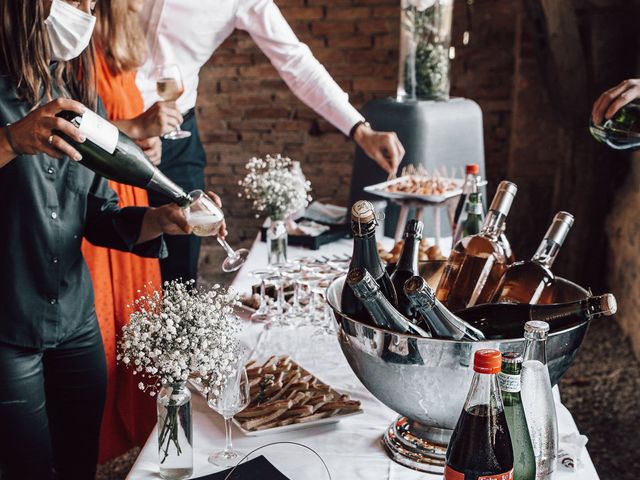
480,447
470,185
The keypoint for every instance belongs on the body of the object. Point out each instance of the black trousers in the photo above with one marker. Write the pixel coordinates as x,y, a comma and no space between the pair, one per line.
183,161
51,405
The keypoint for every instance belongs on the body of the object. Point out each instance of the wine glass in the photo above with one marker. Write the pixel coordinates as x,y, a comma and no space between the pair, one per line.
170,87
262,313
206,218
233,398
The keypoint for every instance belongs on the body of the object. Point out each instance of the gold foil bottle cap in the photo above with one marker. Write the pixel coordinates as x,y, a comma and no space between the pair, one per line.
363,212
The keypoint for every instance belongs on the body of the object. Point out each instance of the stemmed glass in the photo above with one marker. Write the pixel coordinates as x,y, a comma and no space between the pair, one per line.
233,398
277,315
262,313
170,87
206,219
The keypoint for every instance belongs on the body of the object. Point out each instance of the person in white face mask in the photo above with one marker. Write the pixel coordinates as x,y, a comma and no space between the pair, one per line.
52,360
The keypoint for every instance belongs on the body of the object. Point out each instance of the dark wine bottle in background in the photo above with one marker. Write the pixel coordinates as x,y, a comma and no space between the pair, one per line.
471,223
382,313
407,266
113,155
480,446
507,320
365,255
438,320
533,281
476,263
622,131
470,185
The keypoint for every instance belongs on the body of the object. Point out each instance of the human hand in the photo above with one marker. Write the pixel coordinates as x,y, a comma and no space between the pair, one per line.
216,199
170,219
34,133
614,99
159,119
383,147
152,148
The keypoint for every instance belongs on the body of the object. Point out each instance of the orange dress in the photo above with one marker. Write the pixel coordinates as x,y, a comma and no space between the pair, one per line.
129,413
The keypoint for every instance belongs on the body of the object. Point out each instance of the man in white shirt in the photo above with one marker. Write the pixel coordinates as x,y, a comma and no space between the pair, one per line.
187,33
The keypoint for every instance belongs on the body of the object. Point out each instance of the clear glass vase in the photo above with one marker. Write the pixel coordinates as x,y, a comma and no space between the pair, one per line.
425,38
175,431
277,242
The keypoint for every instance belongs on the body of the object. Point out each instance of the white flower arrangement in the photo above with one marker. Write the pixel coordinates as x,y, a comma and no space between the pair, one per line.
274,188
179,333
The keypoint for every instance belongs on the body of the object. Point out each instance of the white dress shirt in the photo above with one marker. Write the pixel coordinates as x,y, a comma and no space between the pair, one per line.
187,32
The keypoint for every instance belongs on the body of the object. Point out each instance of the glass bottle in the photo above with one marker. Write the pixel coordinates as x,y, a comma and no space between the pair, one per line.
470,185
533,281
524,464
506,245
471,223
113,155
435,316
382,313
622,131
507,320
407,266
365,255
480,446
537,399
477,263
175,431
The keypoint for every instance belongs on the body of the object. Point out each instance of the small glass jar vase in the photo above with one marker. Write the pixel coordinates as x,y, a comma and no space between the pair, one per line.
175,431
425,38
277,242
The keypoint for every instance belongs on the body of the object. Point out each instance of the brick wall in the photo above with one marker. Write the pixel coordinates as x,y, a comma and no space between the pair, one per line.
245,109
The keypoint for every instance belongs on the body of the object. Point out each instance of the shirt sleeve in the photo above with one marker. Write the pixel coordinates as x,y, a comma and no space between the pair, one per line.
108,225
301,71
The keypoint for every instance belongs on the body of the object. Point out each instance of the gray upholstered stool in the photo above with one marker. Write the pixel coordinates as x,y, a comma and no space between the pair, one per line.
435,134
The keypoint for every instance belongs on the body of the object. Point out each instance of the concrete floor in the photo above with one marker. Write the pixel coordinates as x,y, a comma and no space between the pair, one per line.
601,390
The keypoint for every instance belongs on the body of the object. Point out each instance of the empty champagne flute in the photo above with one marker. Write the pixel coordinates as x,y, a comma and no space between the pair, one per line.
206,219
170,87
262,313
233,398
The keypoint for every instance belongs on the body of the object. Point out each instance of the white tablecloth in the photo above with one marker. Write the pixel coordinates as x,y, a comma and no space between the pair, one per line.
351,448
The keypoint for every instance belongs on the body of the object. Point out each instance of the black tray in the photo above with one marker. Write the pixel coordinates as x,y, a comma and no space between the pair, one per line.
335,232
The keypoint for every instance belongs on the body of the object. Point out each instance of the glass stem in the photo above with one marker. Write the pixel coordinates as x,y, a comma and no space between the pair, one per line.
263,295
227,247
296,296
227,428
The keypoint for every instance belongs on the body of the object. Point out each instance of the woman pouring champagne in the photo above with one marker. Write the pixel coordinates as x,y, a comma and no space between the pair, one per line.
52,365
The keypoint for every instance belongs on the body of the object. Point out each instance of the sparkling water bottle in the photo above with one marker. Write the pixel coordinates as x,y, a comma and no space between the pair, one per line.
537,399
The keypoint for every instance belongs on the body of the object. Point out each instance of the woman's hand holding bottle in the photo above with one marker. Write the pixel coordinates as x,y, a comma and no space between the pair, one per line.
33,134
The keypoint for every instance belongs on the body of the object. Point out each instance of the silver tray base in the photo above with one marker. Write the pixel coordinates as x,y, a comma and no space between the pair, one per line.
415,446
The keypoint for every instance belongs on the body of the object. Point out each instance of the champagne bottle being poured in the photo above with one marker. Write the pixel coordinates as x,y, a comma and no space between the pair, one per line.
112,154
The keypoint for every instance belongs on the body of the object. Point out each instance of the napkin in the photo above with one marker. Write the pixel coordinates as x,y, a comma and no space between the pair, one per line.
258,468
326,213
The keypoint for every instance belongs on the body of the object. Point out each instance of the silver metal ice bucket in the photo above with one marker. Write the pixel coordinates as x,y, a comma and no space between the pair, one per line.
426,380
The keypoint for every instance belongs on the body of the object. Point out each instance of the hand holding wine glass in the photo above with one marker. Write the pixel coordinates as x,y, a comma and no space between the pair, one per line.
206,218
170,87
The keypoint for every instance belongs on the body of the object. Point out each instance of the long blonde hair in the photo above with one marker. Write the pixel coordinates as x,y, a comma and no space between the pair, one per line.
25,56
119,35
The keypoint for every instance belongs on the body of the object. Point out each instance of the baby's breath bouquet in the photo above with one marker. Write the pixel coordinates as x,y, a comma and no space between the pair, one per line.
274,187
180,333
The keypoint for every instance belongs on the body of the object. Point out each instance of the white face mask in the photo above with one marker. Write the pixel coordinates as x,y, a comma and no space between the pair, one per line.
69,30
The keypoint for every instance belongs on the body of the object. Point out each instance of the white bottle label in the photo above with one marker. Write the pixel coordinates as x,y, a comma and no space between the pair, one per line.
99,131
509,383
